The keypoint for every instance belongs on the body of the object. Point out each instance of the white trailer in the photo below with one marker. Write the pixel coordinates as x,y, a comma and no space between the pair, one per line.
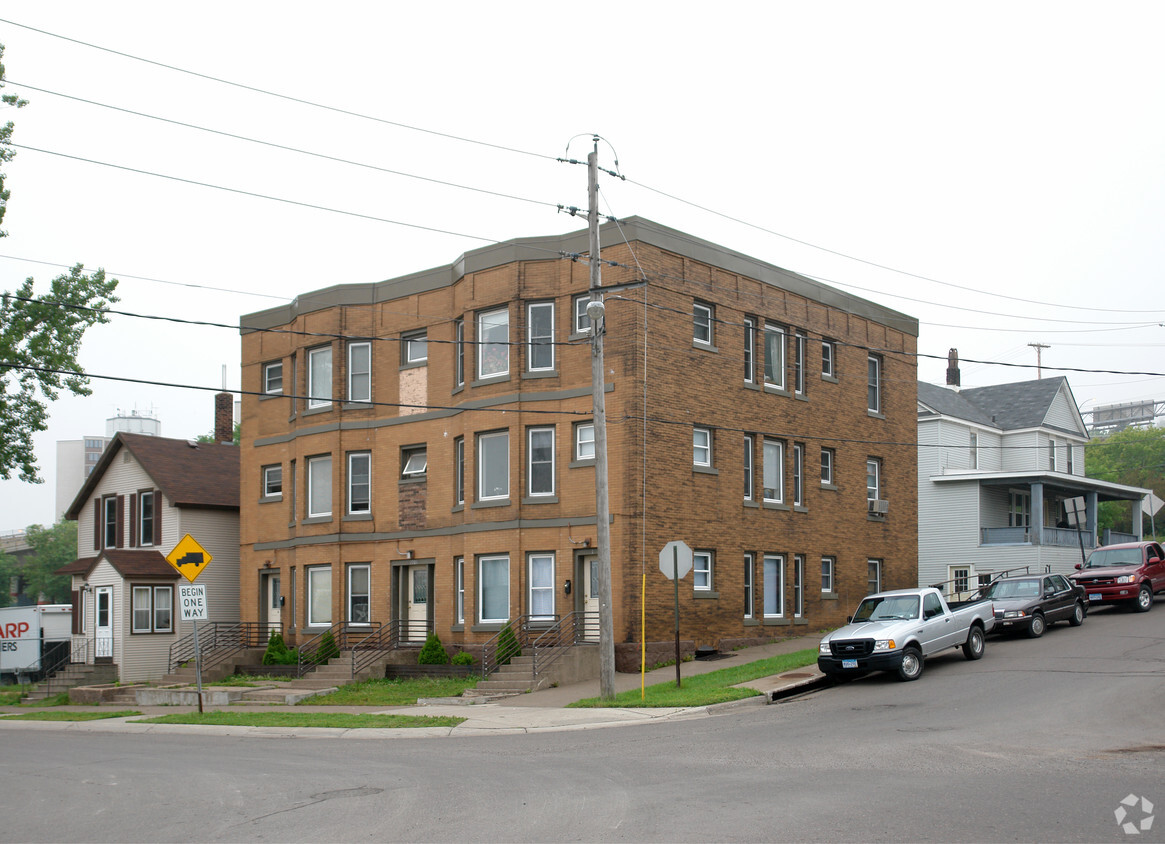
32,639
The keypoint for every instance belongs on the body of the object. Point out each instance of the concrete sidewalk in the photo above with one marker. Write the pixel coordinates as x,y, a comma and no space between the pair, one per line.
541,711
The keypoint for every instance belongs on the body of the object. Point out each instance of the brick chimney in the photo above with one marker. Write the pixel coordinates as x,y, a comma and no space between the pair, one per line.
953,377
224,418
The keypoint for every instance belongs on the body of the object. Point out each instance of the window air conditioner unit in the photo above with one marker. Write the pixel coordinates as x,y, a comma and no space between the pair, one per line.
880,506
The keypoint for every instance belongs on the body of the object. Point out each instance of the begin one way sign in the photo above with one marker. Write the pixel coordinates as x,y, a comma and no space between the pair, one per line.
192,597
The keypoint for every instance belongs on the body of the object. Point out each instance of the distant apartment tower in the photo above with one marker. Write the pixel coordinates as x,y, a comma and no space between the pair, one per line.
76,458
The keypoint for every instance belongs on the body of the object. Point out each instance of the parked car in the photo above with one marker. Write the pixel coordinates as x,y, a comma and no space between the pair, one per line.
1129,574
897,630
1029,603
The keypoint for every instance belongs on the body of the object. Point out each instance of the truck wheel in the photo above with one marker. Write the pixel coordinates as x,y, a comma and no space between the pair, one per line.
911,667
976,643
1144,601
1037,627
1077,617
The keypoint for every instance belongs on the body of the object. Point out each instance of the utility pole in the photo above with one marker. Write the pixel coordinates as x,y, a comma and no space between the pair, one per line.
1039,347
596,311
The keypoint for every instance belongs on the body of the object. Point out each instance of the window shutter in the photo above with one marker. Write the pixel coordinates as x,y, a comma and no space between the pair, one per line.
133,521
77,609
157,517
120,522
97,524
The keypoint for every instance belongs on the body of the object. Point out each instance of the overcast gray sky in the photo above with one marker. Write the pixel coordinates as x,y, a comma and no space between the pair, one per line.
992,168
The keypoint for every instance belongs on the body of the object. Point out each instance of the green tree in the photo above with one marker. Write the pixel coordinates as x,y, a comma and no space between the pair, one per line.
52,547
209,438
1134,456
40,339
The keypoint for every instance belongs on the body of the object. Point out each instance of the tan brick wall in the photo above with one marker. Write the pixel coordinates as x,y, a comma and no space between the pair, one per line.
655,494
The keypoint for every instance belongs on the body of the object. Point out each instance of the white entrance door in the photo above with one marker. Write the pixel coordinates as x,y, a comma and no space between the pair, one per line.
273,600
418,609
103,623
590,571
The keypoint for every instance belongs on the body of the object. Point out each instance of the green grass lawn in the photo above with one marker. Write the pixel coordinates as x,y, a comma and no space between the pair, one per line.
706,689
302,719
11,697
249,680
70,716
400,692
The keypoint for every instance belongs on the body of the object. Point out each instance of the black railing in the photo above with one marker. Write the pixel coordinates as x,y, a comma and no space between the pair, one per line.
506,644
572,629
315,651
386,637
545,638
66,653
219,640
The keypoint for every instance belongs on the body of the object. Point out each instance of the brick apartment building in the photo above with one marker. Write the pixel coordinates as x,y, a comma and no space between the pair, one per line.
420,451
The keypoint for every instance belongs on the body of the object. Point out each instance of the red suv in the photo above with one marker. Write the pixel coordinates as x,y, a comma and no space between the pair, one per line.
1127,573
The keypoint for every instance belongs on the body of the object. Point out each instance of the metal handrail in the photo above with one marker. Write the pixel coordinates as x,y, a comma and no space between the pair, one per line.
494,654
367,650
78,652
309,651
976,592
221,640
570,630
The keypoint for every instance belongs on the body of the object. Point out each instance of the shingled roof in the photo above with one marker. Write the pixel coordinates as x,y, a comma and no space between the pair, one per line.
130,564
1024,404
189,474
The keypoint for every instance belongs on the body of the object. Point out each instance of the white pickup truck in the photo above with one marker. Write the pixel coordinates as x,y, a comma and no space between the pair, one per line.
897,630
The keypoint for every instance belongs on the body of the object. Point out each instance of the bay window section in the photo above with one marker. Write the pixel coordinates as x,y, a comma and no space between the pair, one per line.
493,466
493,590
319,486
319,596
319,377
493,343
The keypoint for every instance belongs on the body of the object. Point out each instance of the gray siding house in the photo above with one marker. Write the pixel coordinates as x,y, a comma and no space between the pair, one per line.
1000,477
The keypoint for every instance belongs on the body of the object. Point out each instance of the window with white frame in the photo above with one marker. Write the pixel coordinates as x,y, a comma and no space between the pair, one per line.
974,451
584,441
540,454
153,609
1019,508
459,470
459,353
319,376
146,504
798,474
873,480
1071,462
273,377
319,486
414,462
827,459
541,586
359,594
414,348
773,480
774,343
702,570
874,384
582,322
749,565
799,343
748,468
798,586
459,586
493,343
702,446
828,358
873,576
359,482
827,566
749,350
493,465
540,336
272,481
1051,455
702,323
960,577
319,596
493,589
360,372
774,586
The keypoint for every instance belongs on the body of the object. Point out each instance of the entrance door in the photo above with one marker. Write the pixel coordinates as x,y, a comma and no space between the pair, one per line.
418,603
272,602
590,604
103,623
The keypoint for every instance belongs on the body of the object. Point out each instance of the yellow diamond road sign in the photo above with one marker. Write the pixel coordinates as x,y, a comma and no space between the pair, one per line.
189,558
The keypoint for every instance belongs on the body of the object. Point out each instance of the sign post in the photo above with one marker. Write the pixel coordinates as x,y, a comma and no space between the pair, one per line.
675,561
189,559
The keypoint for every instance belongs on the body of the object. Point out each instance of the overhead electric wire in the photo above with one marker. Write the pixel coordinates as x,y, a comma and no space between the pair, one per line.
287,97
286,148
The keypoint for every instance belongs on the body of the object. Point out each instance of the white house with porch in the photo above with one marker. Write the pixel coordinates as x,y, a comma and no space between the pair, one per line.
1000,481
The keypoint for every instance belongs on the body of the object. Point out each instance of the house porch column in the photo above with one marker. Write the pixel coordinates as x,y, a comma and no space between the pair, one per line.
1091,500
1037,514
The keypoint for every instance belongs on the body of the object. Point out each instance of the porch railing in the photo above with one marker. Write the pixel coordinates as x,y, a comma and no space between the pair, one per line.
219,640
312,652
546,639
1050,536
1115,537
386,637
500,649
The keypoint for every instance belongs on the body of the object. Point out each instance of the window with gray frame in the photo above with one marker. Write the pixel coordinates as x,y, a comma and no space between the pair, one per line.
319,486
360,372
493,465
540,471
540,336
319,376
493,343
273,377
359,482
